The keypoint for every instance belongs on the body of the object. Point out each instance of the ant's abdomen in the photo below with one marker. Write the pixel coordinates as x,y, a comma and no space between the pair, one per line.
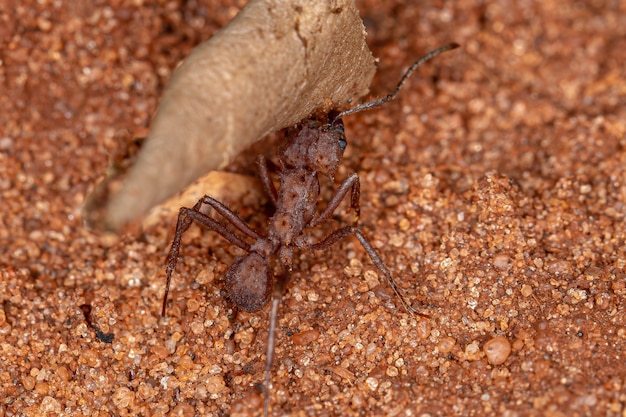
249,282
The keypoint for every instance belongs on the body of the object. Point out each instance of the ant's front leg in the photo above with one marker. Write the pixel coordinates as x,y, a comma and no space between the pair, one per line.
264,174
350,183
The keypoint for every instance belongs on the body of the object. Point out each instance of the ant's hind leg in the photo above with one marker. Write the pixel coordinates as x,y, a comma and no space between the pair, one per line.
185,217
339,234
350,183
229,215
279,289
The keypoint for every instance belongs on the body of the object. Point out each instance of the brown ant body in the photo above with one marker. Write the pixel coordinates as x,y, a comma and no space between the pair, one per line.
312,148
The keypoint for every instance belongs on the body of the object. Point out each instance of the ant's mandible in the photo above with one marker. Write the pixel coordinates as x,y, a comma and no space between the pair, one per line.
311,148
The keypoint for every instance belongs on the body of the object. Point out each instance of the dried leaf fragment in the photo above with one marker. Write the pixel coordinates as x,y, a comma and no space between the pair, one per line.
276,63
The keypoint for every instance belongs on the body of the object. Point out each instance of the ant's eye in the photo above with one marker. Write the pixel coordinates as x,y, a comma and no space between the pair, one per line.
343,144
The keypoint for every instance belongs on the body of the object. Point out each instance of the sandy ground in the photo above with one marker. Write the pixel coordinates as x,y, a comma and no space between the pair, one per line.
494,189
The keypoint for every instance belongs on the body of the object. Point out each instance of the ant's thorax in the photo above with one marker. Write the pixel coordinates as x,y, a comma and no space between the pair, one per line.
312,147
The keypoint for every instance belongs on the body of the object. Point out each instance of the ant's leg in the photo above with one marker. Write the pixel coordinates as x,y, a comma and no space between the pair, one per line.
269,354
352,182
339,234
266,180
229,215
277,295
185,218
182,225
211,223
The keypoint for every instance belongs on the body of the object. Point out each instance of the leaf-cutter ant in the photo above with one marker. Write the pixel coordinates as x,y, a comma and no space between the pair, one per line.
311,148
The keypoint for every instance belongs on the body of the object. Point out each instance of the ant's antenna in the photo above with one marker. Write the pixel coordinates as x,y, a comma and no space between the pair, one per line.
407,74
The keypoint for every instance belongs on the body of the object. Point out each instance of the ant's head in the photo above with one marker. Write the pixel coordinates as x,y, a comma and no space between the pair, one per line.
318,143
315,144
326,152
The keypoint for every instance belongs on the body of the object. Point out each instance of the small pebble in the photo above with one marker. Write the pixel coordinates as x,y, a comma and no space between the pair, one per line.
446,344
501,262
497,350
392,371
123,397
306,337
215,384
527,290
372,383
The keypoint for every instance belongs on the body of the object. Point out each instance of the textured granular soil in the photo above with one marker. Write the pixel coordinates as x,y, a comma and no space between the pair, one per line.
494,188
